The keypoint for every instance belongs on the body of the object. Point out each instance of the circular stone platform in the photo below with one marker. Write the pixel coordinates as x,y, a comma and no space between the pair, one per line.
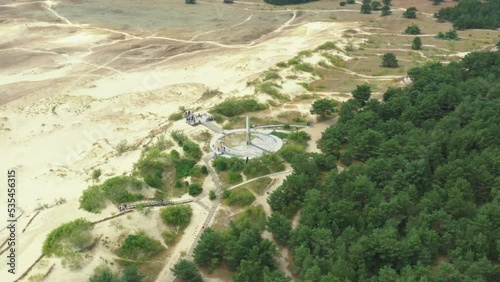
234,141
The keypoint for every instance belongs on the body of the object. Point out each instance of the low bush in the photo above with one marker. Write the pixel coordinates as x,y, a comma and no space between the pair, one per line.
231,164
69,237
305,67
234,107
211,195
194,189
288,151
175,116
329,45
192,150
115,189
183,167
266,164
178,216
139,247
271,75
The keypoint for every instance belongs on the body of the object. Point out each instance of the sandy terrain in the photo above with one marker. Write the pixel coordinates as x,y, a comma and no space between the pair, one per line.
77,77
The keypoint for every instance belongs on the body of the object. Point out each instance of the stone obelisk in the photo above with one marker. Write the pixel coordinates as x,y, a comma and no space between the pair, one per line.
248,131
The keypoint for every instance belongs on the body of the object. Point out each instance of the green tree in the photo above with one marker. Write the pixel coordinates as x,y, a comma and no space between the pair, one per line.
104,274
410,13
389,60
416,44
387,2
210,249
323,107
187,271
131,274
280,226
366,9
376,5
362,93
386,11
412,29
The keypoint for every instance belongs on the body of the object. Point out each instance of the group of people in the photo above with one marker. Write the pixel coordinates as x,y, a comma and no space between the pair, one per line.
193,118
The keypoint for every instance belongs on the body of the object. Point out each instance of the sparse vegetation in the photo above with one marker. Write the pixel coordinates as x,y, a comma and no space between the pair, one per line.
238,197
234,107
175,116
271,75
122,147
139,247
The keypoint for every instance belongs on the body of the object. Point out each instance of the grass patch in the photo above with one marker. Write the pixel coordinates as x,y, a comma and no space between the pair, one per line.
329,45
258,186
305,67
251,217
271,75
304,53
139,247
334,59
282,65
306,85
238,197
234,107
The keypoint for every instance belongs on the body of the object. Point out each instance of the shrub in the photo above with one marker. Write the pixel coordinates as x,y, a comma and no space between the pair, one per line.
282,65
389,60
342,4
92,199
232,164
410,13
114,189
240,197
192,150
122,147
350,1
412,29
271,75
183,167
178,137
139,246
300,137
178,216
305,67
204,169
194,189
69,237
211,195
234,177
96,173
288,151
306,85
234,107
168,237
449,35
175,116
304,53
153,181
293,61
